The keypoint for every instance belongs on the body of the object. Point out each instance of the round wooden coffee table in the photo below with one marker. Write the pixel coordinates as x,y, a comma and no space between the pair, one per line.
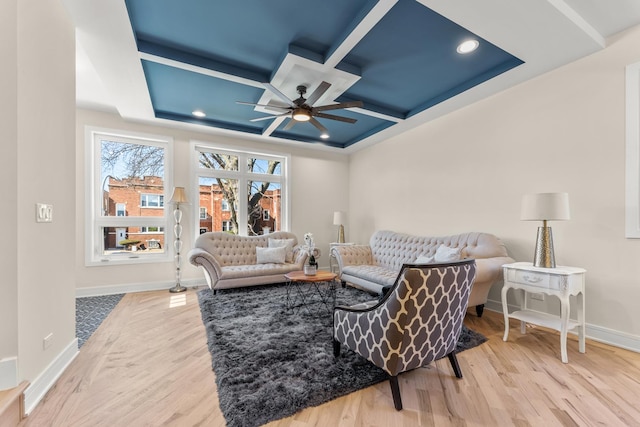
302,290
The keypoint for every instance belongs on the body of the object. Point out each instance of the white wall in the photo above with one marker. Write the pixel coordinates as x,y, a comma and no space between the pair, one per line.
467,171
38,112
317,188
9,193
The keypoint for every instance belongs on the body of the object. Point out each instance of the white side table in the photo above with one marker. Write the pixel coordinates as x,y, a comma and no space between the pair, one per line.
562,282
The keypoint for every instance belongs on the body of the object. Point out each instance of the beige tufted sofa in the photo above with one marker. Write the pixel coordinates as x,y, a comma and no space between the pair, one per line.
229,260
373,266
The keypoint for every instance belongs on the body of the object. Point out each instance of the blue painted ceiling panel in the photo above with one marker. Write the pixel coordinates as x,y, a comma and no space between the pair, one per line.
410,57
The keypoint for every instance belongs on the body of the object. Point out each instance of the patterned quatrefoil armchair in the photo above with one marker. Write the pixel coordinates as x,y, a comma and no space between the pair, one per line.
419,320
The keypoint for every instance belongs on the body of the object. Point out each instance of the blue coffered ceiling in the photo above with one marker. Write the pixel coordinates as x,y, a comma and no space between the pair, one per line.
160,60
397,57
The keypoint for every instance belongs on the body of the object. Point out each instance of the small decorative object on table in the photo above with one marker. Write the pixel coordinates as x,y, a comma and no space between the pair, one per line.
311,268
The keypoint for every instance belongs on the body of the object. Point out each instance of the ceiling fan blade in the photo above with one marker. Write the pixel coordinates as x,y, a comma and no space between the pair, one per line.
269,106
351,104
289,125
320,90
333,117
279,94
318,125
268,117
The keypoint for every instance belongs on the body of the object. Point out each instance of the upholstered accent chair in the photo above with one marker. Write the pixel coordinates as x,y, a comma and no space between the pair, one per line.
418,320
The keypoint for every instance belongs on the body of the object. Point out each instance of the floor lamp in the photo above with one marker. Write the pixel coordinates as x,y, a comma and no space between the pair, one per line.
179,197
545,207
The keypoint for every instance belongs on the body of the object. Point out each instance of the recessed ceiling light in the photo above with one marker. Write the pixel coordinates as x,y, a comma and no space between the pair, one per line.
324,135
467,46
198,113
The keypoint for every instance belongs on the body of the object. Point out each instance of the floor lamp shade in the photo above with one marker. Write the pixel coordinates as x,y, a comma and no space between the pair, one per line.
545,207
339,219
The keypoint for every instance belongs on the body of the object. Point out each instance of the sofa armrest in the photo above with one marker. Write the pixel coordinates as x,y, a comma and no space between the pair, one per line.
351,255
490,269
201,258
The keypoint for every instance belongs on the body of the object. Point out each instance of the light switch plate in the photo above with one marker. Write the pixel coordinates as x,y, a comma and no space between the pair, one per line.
44,212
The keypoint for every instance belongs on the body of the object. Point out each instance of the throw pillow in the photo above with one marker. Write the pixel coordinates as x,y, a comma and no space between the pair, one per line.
283,243
424,259
447,254
270,255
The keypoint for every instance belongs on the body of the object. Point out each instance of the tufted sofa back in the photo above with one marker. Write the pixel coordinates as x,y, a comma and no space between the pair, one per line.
231,249
391,250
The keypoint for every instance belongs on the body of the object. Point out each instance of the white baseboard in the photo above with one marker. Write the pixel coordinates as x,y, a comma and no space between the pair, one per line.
8,373
134,287
41,385
593,332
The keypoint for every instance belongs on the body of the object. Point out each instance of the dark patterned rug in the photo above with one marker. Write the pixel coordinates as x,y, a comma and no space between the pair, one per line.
91,312
271,363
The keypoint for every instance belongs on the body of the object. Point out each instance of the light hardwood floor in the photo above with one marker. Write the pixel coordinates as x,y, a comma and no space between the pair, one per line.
148,365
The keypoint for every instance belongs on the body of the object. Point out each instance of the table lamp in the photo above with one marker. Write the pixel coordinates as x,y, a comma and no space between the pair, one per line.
339,219
545,207
179,197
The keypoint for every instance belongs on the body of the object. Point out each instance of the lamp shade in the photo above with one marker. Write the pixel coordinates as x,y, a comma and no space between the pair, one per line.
545,207
339,218
178,196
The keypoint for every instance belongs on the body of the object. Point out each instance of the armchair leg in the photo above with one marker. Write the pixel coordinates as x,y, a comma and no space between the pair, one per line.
395,392
336,348
454,364
479,309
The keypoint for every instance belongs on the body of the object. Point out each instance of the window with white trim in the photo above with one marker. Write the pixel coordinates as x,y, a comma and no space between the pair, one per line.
203,212
151,200
127,182
245,184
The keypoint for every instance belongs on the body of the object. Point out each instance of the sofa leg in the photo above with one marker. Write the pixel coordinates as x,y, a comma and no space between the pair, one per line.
479,309
336,348
395,392
215,291
454,364
344,284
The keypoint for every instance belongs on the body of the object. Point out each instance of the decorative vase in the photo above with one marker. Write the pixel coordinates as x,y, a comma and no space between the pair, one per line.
310,270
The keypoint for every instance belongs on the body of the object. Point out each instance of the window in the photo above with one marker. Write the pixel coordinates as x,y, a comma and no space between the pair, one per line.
203,213
152,229
251,188
151,200
127,181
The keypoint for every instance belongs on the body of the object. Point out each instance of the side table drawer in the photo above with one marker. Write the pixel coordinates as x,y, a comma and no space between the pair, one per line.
558,282
530,278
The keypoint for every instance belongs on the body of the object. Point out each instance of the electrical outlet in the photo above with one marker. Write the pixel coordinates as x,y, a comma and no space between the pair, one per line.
539,297
46,342
44,212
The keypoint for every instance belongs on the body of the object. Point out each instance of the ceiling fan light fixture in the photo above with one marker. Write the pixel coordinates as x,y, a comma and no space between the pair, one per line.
467,46
301,115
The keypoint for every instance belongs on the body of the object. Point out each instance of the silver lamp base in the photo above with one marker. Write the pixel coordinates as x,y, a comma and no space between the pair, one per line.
177,288
544,256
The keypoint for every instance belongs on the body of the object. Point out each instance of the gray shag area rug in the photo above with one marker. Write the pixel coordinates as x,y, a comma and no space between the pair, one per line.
270,363
91,312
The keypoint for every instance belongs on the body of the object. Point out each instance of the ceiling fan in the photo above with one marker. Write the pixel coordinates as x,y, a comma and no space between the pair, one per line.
302,110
